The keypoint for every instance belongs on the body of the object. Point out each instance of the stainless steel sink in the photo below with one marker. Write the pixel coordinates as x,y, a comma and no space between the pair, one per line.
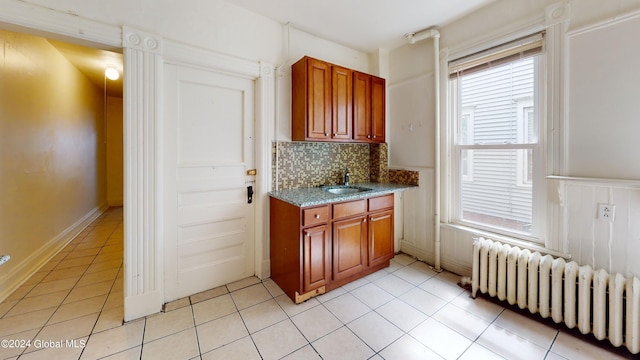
342,190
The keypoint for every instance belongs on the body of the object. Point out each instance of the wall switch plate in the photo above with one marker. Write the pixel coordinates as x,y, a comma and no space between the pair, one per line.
606,212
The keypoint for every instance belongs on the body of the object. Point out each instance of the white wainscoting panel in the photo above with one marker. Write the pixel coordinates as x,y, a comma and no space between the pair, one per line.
418,221
613,246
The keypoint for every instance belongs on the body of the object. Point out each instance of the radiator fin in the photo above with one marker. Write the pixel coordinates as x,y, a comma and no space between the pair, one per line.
593,301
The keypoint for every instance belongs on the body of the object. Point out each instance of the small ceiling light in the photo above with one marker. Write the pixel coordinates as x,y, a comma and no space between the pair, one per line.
112,73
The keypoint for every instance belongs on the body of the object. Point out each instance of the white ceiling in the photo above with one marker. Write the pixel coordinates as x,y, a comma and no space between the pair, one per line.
92,63
364,25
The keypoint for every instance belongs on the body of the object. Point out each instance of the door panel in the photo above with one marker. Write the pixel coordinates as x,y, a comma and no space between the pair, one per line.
349,247
209,233
317,257
381,237
319,100
211,124
361,106
378,93
341,113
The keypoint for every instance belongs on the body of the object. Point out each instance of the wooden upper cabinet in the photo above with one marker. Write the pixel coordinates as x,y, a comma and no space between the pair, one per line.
341,89
378,94
333,103
311,99
368,108
361,106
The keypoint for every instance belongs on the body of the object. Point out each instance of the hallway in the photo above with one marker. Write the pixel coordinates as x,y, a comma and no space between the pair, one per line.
73,309
79,292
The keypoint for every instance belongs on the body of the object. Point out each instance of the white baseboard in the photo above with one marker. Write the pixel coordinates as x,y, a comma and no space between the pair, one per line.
447,263
456,267
12,280
265,269
409,249
139,306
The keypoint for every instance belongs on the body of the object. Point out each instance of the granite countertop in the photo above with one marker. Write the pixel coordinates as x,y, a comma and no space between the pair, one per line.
318,196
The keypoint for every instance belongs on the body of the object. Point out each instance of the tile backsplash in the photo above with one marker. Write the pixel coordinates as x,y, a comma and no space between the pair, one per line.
379,160
309,164
405,177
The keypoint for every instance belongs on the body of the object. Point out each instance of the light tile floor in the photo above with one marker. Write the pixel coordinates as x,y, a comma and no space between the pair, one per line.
73,308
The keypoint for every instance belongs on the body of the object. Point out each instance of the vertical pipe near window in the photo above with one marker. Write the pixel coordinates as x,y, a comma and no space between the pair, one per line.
436,77
412,38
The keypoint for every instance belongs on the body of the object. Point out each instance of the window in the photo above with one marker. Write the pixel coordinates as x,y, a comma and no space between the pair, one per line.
496,139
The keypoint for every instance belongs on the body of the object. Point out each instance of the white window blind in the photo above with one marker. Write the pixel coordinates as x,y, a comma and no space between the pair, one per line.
517,49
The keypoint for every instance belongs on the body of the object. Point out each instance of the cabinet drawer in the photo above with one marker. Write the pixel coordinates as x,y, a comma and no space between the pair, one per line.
350,208
316,215
382,202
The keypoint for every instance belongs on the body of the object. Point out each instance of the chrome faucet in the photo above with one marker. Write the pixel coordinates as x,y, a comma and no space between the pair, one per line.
346,177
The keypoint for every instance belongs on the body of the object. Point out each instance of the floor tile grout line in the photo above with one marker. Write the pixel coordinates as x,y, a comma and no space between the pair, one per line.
407,333
487,328
105,301
325,303
102,309
195,329
551,345
65,258
345,325
41,329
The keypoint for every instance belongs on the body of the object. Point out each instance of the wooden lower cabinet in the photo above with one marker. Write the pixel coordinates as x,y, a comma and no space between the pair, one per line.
349,247
317,257
380,237
316,249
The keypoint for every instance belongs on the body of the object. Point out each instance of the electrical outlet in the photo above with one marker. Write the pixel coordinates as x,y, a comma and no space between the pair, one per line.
606,212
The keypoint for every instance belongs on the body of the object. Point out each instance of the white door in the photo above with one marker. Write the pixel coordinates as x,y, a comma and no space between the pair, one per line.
209,226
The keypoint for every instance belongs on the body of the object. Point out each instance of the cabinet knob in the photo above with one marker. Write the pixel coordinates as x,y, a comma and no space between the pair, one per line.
326,134
374,136
364,220
317,216
335,134
368,136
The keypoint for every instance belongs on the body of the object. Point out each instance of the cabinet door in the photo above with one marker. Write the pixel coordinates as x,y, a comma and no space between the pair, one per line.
317,257
318,100
349,247
378,94
341,93
361,106
380,237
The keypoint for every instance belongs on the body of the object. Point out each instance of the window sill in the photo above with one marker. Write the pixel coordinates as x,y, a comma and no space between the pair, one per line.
523,244
597,181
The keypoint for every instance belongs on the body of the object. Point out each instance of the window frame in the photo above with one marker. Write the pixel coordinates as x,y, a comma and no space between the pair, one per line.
522,104
468,111
456,179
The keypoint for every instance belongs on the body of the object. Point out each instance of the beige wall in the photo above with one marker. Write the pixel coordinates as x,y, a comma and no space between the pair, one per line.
114,151
52,153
